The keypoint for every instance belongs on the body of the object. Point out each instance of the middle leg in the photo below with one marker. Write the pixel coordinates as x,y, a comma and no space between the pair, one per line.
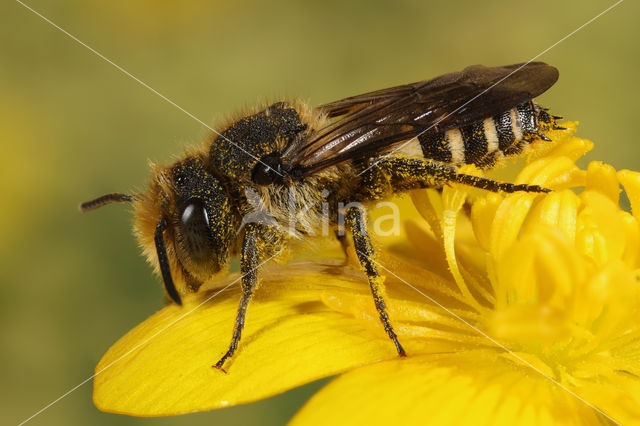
356,220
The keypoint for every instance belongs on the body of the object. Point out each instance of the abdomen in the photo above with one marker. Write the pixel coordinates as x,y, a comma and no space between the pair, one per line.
484,142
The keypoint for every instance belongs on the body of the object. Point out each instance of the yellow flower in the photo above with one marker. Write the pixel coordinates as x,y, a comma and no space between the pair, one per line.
519,308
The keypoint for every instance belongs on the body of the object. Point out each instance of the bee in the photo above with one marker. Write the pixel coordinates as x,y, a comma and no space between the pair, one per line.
279,173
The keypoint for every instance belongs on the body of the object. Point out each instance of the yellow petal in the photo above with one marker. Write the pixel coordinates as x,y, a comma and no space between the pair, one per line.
630,180
545,170
542,267
558,209
619,392
164,365
411,320
449,233
602,178
426,247
429,205
606,303
414,273
600,230
632,237
483,212
507,222
512,212
566,145
573,148
467,388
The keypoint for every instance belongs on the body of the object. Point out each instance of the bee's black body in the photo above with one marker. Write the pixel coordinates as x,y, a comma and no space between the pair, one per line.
266,179
483,142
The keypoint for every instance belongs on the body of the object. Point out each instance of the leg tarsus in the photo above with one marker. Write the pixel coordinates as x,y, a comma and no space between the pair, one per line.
218,366
495,186
235,340
403,174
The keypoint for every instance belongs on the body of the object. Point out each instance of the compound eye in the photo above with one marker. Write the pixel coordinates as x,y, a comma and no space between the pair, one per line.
196,232
193,214
268,170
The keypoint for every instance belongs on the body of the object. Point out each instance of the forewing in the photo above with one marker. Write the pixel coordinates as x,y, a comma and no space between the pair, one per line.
372,122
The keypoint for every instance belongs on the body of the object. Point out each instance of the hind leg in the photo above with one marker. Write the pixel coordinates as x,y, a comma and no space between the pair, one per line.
404,173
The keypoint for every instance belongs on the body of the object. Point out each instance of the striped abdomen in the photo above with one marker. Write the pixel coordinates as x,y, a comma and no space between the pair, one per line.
485,142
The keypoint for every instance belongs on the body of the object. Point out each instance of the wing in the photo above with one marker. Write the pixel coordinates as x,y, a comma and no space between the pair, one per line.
375,121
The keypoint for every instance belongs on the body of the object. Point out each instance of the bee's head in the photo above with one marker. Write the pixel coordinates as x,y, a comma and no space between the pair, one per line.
184,224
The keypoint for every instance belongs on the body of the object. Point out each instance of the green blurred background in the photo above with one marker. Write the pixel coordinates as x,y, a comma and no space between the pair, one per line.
73,127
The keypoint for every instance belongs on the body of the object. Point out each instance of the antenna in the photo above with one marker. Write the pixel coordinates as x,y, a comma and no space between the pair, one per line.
114,197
